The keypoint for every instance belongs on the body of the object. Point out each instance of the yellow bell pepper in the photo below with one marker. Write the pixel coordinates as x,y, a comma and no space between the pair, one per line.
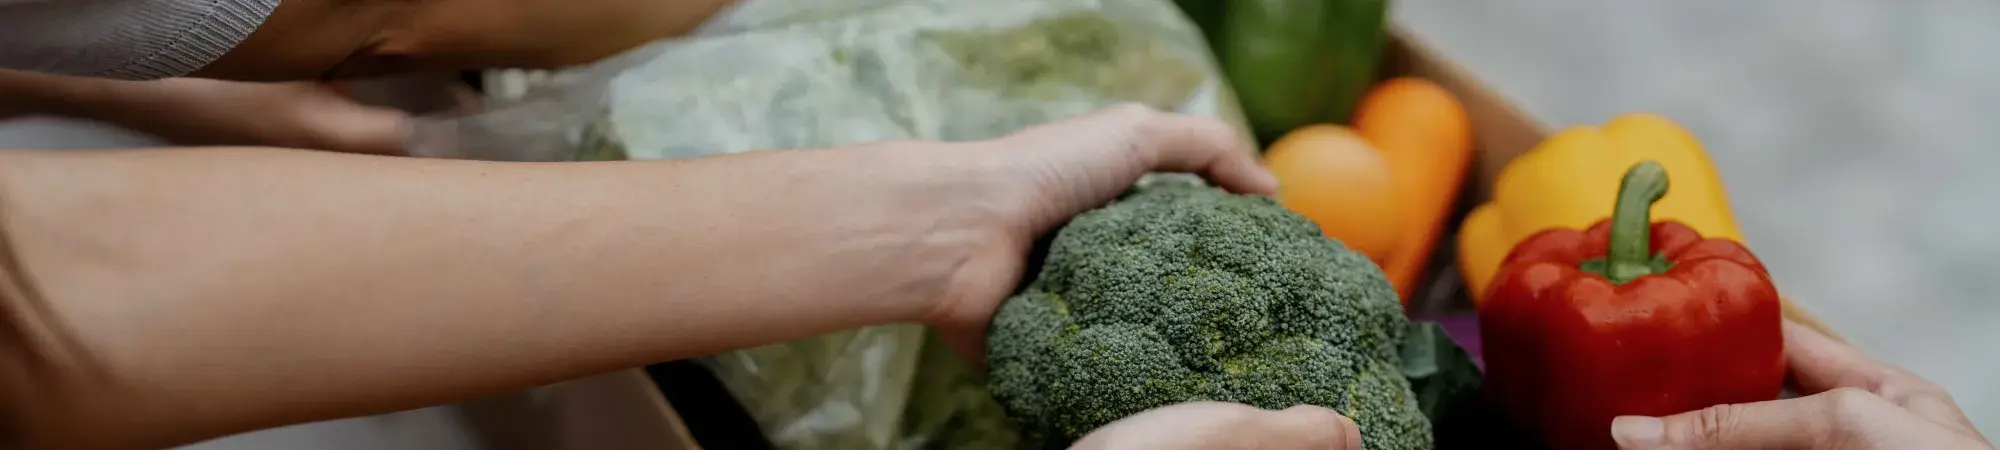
1563,182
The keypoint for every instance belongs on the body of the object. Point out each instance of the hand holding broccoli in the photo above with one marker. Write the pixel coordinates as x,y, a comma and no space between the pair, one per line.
1050,173
1180,293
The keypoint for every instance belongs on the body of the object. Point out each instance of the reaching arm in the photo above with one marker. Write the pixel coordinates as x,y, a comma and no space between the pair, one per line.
202,112
25,93
270,40
305,39
184,294
149,298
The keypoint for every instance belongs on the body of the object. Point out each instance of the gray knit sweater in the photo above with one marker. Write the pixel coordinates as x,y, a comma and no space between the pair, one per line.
127,39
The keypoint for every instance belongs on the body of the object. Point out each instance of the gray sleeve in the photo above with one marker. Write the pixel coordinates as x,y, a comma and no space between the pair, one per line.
124,39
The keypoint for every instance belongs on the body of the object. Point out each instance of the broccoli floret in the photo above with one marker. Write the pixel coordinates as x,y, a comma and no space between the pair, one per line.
1181,292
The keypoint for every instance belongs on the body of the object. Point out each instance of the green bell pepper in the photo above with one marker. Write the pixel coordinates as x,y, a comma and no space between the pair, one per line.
1294,62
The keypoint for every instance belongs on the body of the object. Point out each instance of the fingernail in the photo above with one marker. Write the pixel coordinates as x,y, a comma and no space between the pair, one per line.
1352,432
1267,181
1638,432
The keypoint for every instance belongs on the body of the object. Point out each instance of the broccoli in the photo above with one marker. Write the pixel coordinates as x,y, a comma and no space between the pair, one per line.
1180,292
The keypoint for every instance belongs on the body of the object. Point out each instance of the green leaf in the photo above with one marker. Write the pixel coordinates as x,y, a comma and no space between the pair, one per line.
1441,373
1449,389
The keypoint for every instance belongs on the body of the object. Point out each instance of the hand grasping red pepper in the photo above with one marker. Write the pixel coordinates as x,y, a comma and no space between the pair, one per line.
1628,317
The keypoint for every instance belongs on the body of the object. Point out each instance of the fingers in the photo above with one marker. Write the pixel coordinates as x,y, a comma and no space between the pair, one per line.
1855,402
1179,143
1754,425
1816,421
1314,427
1844,418
1819,363
1148,140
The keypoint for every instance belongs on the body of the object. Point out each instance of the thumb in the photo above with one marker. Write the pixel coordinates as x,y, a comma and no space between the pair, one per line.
1805,422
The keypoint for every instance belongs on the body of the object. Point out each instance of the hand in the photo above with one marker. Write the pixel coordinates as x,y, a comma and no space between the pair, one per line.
1215,425
1856,403
1050,173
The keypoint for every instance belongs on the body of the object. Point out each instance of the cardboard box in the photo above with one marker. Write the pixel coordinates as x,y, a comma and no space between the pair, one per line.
624,410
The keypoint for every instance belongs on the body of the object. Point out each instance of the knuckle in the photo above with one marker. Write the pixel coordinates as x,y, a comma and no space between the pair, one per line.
1849,398
1138,119
1138,149
1715,423
1847,407
1902,385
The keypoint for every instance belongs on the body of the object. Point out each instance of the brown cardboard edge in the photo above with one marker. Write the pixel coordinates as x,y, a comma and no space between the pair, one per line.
613,411
1501,131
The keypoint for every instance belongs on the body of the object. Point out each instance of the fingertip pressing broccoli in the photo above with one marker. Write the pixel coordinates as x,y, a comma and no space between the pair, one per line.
1181,292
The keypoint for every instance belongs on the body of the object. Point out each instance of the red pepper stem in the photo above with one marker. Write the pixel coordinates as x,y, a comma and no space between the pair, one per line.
1630,255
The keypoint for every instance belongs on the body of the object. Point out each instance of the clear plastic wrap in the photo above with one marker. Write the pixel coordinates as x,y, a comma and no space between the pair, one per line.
777,74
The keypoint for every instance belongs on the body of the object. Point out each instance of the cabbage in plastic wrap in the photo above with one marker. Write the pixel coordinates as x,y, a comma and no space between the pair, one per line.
915,69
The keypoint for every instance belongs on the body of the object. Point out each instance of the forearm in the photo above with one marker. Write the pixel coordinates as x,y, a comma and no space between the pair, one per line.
137,105
24,93
345,38
222,289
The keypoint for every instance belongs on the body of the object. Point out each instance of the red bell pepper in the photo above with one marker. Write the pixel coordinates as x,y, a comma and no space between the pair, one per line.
1628,317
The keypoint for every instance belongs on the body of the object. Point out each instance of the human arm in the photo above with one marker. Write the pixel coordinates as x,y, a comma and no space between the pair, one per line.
269,40
163,297
202,112
305,39
1853,403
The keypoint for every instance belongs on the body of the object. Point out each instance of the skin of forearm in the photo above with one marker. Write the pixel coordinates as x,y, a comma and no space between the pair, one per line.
133,104
200,298
25,93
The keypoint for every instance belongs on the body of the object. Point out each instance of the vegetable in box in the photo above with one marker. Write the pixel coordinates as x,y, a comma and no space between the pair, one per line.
1295,62
1181,292
1628,317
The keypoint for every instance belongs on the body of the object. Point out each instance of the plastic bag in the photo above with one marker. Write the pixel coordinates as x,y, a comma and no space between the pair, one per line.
950,408
777,74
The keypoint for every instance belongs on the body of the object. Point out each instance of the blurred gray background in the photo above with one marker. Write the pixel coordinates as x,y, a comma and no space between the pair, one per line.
1855,136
